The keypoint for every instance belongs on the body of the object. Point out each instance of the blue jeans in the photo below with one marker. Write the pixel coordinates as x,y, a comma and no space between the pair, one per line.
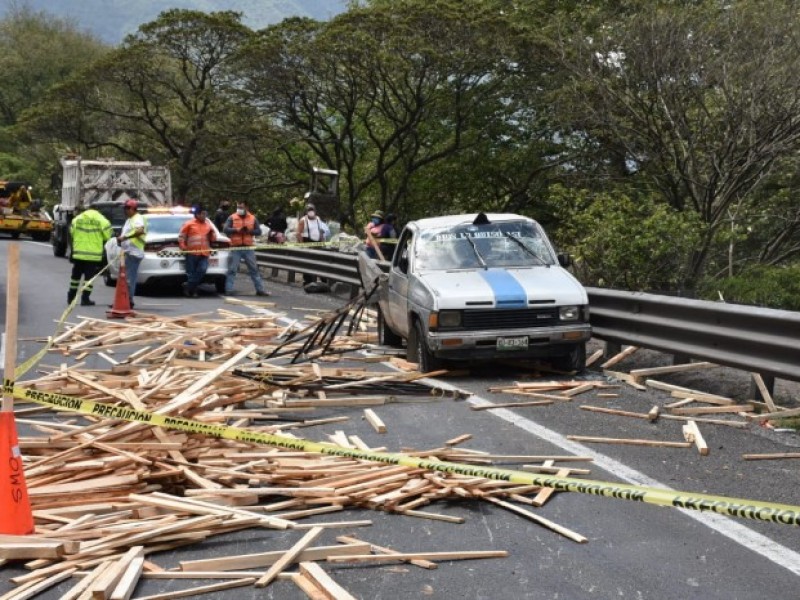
196,267
249,258
131,272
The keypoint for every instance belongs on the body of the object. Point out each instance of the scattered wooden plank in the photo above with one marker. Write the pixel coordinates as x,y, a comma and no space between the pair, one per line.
773,456
203,589
289,557
352,541
567,533
374,420
324,581
762,387
691,433
619,357
403,556
629,442
639,374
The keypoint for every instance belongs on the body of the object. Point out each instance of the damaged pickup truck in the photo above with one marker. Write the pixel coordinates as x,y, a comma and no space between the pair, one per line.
478,287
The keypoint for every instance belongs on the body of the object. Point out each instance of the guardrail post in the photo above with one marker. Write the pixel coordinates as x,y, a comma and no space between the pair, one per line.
755,391
612,349
681,359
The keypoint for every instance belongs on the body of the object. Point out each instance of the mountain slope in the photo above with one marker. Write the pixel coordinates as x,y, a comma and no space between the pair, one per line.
111,20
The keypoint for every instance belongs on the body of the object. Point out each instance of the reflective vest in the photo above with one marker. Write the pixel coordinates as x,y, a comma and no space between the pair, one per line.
237,222
196,237
90,230
137,221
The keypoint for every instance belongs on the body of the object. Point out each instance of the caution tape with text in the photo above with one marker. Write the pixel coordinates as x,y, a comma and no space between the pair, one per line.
749,509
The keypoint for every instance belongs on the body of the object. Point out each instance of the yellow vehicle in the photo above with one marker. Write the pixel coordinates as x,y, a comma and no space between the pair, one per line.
20,213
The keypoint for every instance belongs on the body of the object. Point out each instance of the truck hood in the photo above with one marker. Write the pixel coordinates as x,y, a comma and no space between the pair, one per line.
504,288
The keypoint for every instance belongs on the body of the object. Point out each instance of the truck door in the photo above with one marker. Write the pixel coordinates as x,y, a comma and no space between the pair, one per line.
397,317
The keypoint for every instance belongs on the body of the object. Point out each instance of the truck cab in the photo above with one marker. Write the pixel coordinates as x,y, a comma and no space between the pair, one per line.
482,286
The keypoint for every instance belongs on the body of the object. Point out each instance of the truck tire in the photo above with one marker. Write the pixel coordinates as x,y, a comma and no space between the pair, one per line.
59,246
426,361
41,236
574,360
15,235
387,337
219,285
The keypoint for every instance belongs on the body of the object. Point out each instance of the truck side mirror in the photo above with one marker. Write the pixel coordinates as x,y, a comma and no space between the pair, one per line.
564,259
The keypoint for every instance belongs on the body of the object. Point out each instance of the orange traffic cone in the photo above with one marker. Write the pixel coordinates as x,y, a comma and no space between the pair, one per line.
16,517
122,300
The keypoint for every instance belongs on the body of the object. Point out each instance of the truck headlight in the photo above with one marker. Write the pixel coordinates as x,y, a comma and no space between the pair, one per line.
569,313
449,319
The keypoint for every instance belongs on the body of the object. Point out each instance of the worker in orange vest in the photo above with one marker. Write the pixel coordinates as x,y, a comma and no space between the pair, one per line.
241,226
195,238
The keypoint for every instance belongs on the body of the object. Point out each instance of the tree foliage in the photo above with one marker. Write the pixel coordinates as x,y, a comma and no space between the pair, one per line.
658,141
699,99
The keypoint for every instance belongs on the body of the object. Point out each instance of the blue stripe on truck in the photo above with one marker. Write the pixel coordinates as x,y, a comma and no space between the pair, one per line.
508,292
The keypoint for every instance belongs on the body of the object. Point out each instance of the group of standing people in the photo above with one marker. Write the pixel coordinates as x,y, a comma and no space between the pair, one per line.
90,231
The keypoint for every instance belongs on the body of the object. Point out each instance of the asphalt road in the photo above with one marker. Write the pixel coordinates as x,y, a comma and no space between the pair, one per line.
634,550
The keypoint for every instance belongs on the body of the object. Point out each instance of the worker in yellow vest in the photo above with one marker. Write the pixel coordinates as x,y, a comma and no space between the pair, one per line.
241,227
89,231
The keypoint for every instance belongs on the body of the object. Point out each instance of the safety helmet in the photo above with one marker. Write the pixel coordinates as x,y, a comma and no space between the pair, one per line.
131,203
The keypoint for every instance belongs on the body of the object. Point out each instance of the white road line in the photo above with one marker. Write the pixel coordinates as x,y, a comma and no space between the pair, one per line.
733,530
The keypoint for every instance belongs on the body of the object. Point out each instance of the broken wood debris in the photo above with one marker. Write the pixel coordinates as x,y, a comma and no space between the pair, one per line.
107,494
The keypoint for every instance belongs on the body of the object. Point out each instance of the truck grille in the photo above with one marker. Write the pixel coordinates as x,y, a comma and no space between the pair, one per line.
508,319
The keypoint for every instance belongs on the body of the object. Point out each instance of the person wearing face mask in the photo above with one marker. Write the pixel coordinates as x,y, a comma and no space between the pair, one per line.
374,230
310,228
241,226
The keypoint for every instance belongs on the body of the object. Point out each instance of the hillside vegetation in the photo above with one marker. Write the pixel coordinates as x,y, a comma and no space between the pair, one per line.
658,141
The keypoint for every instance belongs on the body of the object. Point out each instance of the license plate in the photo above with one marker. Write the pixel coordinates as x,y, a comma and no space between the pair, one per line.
213,262
512,343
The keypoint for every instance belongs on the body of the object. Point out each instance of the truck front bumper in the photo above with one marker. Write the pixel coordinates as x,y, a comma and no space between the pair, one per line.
505,343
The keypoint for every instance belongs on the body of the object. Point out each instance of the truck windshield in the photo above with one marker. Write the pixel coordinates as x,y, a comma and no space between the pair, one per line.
501,244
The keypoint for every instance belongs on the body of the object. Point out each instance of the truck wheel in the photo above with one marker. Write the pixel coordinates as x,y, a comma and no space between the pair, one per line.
41,236
426,361
15,235
59,247
574,360
387,337
219,285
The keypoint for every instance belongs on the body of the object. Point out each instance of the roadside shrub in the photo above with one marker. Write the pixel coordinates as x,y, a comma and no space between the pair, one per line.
761,285
621,242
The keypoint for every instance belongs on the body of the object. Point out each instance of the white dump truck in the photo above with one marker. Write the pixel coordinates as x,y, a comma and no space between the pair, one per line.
105,185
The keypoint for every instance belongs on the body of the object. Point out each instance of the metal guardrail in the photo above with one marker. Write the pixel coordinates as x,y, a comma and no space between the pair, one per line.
758,340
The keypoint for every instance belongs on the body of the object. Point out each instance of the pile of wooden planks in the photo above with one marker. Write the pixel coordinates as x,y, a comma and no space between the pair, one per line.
107,495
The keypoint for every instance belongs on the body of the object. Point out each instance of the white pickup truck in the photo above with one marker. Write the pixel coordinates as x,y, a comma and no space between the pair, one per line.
480,286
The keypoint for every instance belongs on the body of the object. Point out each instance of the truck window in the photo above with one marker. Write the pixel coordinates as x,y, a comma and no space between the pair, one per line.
403,254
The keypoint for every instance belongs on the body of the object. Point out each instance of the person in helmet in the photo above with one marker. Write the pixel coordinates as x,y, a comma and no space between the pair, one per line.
374,231
131,240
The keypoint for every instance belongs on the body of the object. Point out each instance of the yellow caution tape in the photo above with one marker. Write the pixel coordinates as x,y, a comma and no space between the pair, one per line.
736,507
31,362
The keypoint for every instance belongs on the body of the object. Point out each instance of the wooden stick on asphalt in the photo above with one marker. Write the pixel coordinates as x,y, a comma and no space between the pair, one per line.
12,317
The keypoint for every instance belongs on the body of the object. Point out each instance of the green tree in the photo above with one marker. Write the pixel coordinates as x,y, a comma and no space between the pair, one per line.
697,100
164,95
384,94
623,242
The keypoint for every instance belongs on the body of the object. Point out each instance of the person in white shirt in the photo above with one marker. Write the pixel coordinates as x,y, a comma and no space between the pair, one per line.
310,228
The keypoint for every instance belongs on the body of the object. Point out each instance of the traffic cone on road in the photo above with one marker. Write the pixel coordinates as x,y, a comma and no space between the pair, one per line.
122,300
16,517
